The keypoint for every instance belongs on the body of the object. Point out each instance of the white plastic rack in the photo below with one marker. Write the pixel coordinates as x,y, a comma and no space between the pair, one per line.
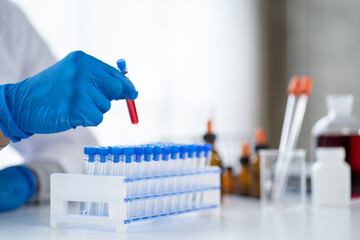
121,200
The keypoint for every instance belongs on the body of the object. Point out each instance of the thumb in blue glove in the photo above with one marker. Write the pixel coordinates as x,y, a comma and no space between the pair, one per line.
17,186
76,91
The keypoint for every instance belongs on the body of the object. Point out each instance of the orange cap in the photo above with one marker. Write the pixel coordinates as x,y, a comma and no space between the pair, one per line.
294,86
306,85
246,149
260,136
209,127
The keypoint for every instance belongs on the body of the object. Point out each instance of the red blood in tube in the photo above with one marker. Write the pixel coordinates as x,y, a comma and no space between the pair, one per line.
132,111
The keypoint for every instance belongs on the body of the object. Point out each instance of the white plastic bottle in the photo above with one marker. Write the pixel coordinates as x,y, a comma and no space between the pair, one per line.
330,178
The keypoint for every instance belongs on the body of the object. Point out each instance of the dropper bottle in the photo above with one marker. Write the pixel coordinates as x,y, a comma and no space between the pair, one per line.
210,137
243,179
260,143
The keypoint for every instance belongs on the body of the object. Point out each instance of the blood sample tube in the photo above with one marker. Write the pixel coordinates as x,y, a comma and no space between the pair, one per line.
130,103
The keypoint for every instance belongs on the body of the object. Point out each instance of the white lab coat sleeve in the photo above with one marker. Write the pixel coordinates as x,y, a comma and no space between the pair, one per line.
43,153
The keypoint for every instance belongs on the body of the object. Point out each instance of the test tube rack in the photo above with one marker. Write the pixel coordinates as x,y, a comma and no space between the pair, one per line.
131,200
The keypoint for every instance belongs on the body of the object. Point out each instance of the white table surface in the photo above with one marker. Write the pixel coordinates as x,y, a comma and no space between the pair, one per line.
241,218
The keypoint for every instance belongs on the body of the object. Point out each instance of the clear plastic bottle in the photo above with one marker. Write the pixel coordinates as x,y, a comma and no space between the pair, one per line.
330,176
339,128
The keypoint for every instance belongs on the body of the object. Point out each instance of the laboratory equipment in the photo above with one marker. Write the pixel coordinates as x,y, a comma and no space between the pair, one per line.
294,194
254,166
340,128
147,188
130,103
330,178
227,181
281,172
244,178
294,92
210,137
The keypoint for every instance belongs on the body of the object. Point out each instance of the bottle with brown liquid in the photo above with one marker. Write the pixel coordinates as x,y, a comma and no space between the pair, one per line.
243,178
260,143
210,137
340,128
215,159
227,186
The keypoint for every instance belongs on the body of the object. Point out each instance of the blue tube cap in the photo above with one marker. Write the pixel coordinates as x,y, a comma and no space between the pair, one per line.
90,150
191,150
183,150
128,151
122,66
139,151
148,150
157,150
116,151
174,149
166,150
103,151
207,147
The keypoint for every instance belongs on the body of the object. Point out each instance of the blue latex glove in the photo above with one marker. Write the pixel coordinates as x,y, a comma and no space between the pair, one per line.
76,91
17,186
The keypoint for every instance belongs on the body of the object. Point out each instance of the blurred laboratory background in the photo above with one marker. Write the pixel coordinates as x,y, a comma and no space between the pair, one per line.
225,60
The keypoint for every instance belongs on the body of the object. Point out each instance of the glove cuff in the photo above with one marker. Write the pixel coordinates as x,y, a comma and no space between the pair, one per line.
7,124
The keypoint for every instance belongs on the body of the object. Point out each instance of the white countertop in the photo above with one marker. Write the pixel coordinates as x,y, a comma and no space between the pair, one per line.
241,218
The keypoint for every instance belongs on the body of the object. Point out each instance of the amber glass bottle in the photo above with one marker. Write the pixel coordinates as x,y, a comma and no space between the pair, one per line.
215,159
210,137
227,186
243,178
260,143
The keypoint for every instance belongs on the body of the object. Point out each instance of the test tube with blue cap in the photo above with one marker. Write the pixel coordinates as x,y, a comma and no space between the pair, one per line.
88,169
89,160
103,152
191,157
200,162
207,153
102,160
130,103
115,166
156,158
164,167
148,157
128,159
183,150
173,159
138,159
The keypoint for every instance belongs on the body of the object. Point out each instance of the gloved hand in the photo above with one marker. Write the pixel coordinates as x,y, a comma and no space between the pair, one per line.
17,186
76,91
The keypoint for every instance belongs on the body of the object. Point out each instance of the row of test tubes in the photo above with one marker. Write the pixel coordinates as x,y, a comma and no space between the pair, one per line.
145,160
148,169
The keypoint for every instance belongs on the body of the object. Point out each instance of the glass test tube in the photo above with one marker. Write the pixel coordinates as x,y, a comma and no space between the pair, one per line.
130,103
115,168
190,158
103,152
207,153
164,164
174,159
88,169
197,179
137,167
128,155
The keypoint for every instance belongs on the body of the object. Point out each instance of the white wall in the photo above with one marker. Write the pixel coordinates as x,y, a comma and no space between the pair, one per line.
190,60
